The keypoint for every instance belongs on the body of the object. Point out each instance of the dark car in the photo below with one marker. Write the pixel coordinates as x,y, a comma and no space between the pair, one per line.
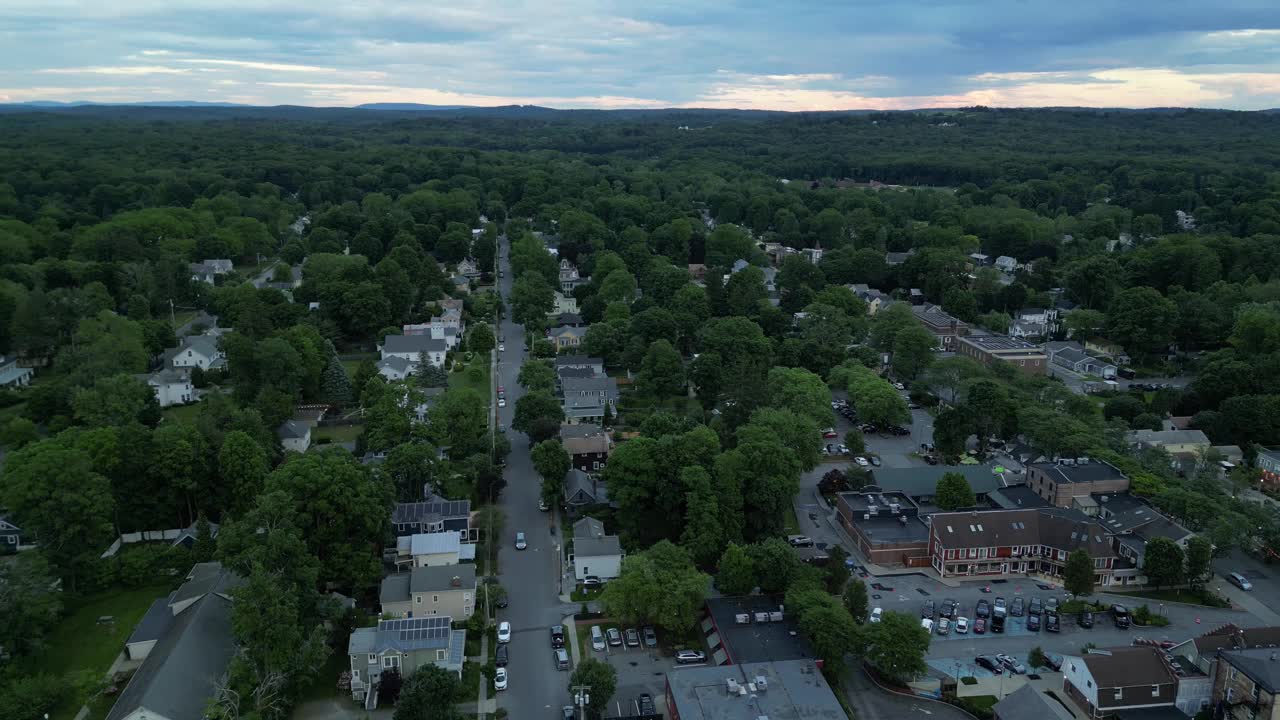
980,626
1053,661
1121,614
931,459
1051,605
1033,623
1086,619
645,701
631,637
874,460
947,609
500,657
1035,608
983,609
927,610
1051,622
997,624
989,663
568,713
650,637
1018,608
557,636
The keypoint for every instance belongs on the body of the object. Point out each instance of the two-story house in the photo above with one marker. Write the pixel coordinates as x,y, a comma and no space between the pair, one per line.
1132,524
1002,542
12,374
588,446
564,303
295,435
172,386
569,277
207,271
10,534
417,349
403,646
432,516
197,351
566,337
586,399
594,552
874,299
1247,683
1066,478
1107,682
448,590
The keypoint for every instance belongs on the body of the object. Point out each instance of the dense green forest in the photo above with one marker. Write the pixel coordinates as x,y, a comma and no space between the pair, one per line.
1160,230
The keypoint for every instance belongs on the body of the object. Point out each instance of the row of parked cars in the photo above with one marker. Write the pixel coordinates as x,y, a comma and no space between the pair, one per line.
945,617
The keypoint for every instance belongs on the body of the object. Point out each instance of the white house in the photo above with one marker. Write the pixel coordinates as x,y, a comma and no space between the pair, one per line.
433,550
396,368
595,553
295,435
208,270
12,375
564,304
172,386
194,351
414,348
1006,263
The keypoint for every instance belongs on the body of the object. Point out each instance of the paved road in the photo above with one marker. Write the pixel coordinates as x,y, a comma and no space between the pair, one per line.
537,689
869,701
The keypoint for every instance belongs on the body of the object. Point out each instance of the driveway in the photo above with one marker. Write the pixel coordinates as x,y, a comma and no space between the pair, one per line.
869,701
531,575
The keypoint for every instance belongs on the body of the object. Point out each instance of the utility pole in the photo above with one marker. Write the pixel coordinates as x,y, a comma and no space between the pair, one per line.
581,698
173,320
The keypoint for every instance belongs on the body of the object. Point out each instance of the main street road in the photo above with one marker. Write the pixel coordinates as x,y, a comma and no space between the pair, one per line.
530,576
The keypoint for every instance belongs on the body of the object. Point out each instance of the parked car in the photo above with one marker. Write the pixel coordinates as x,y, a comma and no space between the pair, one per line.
561,656
927,624
502,348
615,637
504,632
502,402
948,608
876,614
500,679
997,624
650,637
875,460
1053,661
862,462
690,657
1086,619
1033,623
962,625
645,704
1018,607
983,609
1000,607
800,540
632,637
927,610
830,433
500,658
1121,615
979,626
557,636
988,662
1240,581
944,626
591,581
1011,664
1051,622
1035,608
568,712
597,638
520,542
1051,605
931,459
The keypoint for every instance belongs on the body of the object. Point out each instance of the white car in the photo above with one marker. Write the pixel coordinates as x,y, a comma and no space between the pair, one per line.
862,462
597,639
501,347
504,632
962,625
520,541
502,402
500,679
876,614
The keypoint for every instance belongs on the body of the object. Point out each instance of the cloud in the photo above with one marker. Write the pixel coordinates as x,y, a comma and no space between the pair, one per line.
119,70
252,65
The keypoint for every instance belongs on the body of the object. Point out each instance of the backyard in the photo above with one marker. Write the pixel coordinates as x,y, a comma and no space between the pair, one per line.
84,648
336,433
474,375
634,408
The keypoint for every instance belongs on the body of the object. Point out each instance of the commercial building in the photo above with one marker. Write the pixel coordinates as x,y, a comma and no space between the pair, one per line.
947,328
887,527
1066,478
921,483
777,690
990,349
752,629
1002,542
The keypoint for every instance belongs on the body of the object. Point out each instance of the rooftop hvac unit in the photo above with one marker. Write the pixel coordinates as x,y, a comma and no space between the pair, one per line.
762,617
761,683
866,516
742,618
1082,461
872,509
894,507
731,685
775,616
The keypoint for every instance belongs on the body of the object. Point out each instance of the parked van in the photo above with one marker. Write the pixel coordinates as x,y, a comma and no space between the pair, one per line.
1240,581
927,624
597,639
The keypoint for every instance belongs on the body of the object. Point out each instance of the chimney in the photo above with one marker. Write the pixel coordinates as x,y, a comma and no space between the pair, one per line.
456,582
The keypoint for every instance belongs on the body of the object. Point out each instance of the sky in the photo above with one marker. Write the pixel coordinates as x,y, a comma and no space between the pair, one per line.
754,54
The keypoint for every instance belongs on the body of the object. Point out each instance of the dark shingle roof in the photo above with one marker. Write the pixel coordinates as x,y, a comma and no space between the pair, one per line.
416,512
1260,664
1128,667
1027,703
153,625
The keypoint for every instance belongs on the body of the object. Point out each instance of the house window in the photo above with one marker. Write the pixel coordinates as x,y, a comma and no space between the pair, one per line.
595,465
1155,691
417,599
1087,683
1119,694
372,658
1062,554
355,674
440,655
391,661
435,598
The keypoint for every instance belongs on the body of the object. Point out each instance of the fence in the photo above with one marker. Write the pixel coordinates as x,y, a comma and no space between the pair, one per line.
144,536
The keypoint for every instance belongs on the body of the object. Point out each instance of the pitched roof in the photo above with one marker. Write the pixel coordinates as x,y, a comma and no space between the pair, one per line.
434,543
1027,703
170,376
154,623
1054,527
588,527
181,672
597,443
1169,437
395,363
412,344
1231,636
406,635
415,512
206,345
293,430
594,384
569,330
581,488
1128,667
204,578
399,587
568,360
596,547
1260,664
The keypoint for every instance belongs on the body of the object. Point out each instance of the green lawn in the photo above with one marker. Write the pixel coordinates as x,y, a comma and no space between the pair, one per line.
584,595
634,408
181,413
792,524
337,433
1205,598
463,378
80,644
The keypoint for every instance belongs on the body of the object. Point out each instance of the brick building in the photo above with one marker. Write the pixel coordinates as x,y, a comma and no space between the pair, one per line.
887,527
1002,542
943,325
990,349
1246,683
1060,481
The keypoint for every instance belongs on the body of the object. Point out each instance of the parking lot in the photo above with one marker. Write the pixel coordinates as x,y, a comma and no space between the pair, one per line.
640,670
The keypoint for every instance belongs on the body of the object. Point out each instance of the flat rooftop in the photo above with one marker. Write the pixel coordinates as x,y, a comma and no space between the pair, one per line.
791,690
1004,343
884,530
756,641
1016,496
881,501
1088,472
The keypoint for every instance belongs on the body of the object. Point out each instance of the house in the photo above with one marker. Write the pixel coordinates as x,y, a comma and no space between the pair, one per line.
295,435
197,351
595,553
874,299
1108,349
1174,442
207,271
446,327
897,258
433,550
403,646
1073,357
563,304
1246,684
172,386
568,319
11,375
10,534
1202,650
1004,263
887,526
569,278
588,446
697,272
777,690
1059,481
432,516
1028,703
813,254
566,337
979,260
416,349
944,326
1105,683
1132,524
1025,329
395,367
1268,461
1033,540
595,366
461,284
1047,317
582,489
588,399
185,643
990,349
448,590
468,269
285,286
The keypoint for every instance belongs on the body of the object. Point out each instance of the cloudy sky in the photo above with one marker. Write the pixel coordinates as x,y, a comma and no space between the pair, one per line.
764,54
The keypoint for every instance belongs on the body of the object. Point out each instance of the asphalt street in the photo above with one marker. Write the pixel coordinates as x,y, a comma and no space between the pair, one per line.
535,687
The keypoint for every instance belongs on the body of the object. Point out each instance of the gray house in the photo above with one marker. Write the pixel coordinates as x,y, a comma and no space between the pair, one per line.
448,590
10,534
595,365
431,516
582,489
187,644
585,399
403,646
